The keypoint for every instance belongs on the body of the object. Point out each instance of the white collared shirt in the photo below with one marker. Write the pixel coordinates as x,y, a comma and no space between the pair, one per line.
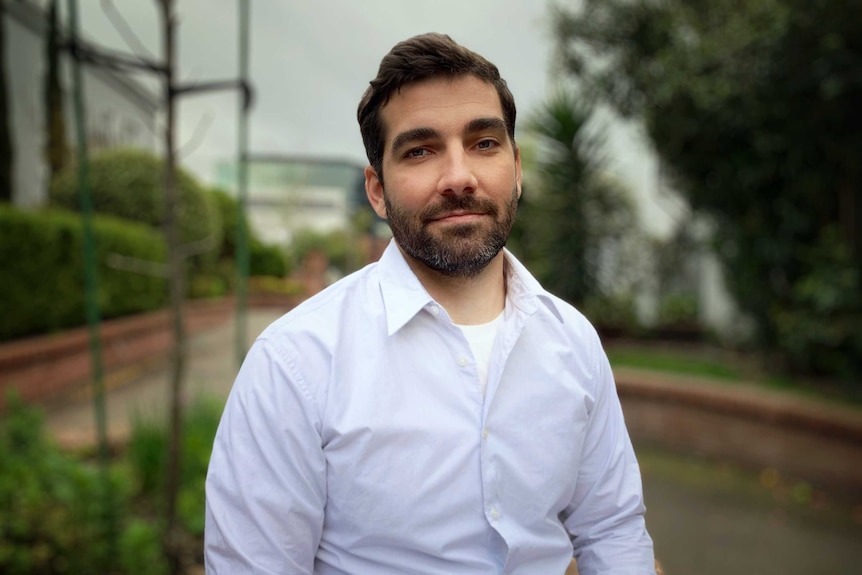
356,440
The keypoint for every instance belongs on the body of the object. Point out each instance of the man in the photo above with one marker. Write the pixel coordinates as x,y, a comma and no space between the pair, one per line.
436,412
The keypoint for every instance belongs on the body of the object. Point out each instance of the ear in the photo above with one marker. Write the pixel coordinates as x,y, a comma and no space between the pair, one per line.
374,191
518,174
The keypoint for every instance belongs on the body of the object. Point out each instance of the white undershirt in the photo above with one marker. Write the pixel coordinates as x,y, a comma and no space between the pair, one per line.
481,339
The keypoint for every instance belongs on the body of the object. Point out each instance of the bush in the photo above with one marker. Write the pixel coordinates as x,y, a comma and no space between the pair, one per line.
43,252
127,183
228,208
264,259
821,331
612,315
147,450
678,310
272,285
141,550
52,507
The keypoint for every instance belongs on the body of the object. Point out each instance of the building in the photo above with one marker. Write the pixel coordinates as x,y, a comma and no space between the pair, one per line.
289,194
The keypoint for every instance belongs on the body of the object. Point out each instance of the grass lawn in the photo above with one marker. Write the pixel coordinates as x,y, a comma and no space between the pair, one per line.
724,366
677,361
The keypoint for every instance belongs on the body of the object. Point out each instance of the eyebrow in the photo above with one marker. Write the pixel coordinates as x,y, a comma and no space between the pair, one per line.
421,134
414,135
484,125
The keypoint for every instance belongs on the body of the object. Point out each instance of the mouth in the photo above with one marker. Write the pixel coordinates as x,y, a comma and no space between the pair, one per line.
458,217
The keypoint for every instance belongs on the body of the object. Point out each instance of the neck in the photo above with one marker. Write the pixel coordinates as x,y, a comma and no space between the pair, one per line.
468,300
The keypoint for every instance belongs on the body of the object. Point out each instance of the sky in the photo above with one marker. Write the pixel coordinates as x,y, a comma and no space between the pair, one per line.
310,62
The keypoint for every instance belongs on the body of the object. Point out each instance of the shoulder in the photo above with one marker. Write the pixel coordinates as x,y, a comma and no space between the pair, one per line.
574,325
314,324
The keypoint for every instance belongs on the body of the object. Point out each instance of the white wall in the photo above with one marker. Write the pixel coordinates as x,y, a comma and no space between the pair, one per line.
26,116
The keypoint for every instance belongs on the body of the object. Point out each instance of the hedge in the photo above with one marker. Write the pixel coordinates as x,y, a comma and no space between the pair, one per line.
41,255
128,183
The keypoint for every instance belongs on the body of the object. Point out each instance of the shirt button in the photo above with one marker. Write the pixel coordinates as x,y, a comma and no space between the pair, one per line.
485,433
462,361
495,514
435,310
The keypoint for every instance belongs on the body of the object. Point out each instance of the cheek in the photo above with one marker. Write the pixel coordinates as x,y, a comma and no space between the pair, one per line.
409,194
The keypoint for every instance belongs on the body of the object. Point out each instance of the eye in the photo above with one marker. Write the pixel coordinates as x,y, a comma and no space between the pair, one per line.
416,153
487,144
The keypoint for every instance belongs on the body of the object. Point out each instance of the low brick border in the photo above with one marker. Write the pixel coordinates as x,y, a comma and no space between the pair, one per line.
44,367
47,367
811,439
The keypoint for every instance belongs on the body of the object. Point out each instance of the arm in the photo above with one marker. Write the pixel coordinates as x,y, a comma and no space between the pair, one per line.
265,488
606,515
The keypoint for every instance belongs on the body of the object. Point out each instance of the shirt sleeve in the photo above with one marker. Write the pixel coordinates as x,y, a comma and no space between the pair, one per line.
605,518
265,488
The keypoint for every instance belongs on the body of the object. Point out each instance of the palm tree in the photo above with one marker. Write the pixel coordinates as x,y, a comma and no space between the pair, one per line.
572,211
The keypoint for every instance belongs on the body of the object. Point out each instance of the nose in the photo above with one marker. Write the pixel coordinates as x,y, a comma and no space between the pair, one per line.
457,175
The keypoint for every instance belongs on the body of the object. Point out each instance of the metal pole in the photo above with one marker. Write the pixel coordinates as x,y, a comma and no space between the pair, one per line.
242,234
91,282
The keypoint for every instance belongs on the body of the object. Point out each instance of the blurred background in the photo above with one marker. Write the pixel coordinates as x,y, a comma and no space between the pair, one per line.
691,183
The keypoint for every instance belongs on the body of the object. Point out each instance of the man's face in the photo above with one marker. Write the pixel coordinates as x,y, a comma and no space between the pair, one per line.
453,177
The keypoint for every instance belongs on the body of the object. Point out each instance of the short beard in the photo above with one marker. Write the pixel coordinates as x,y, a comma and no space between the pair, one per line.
465,250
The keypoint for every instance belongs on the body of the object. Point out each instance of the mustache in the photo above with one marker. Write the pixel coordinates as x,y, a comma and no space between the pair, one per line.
466,203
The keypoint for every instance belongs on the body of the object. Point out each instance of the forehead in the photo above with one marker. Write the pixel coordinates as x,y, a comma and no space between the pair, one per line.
440,103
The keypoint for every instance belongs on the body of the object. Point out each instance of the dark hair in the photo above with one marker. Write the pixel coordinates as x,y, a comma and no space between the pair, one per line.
416,59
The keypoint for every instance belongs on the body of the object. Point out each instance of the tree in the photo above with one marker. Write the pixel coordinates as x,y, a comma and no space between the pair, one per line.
752,106
574,214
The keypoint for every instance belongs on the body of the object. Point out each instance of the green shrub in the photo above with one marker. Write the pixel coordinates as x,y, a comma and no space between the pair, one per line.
264,259
128,183
52,507
228,208
147,451
208,286
141,550
42,251
821,332
678,310
612,314
273,285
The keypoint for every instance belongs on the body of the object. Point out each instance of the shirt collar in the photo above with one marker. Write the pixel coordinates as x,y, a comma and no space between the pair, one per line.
524,291
404,295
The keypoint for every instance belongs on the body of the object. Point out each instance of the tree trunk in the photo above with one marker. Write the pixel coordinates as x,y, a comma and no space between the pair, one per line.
176,285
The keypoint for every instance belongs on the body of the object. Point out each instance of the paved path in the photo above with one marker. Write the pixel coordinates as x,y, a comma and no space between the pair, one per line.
707,518
143,390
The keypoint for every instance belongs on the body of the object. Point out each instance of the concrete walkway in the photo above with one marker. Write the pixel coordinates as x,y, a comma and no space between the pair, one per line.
142,390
